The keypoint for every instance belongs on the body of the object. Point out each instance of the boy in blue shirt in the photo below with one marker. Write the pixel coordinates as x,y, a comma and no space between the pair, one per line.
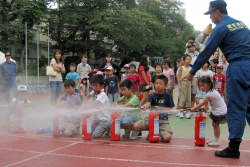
162,101
71,117
73,75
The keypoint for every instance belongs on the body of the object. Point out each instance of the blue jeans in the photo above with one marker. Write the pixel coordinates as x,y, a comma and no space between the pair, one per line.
113,97
10,84
124,120
55,88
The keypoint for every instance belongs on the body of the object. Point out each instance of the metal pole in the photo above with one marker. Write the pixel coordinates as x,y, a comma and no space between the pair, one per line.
37,54
26,51
48,46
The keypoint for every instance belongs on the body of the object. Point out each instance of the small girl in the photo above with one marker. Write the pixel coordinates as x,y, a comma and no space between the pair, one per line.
219,108
126,72
145,78
83,88
169,73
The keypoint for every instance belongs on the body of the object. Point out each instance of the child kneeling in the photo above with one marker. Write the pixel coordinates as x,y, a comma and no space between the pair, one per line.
129,117
162,101
71,118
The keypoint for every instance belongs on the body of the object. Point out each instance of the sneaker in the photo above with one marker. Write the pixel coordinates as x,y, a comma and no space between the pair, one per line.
228,153
134,135
187,115
209,141
214,143
178,114
126,133
181,115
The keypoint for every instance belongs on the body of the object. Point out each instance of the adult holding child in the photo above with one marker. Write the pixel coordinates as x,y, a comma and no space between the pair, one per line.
233,38
56,81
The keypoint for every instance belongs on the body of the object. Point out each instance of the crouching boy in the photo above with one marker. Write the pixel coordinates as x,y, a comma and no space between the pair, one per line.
71,117
162,101
129,117
18,104
100,105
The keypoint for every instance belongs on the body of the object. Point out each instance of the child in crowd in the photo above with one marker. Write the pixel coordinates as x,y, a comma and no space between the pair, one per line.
101,103
83,69
225,64
190,39
126,72
83,88
71,101
134,77
220,81
169,73
111,85
204,71
177,72
162,101
184,86
128,118
18,105
219,108
158,71
73,75
214,63
192,52
145,78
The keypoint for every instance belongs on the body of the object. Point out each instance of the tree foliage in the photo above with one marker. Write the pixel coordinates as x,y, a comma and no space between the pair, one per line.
13,15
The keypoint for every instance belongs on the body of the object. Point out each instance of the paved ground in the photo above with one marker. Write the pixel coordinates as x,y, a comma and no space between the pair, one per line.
43,150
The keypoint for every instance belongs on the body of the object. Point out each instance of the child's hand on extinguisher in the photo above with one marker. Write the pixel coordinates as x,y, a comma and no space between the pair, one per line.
192,109
143,107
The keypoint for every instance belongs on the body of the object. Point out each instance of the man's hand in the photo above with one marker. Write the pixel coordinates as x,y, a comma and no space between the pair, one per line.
189,77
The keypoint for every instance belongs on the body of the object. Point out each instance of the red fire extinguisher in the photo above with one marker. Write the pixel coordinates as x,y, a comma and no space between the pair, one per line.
200,128
56,125
21,121
154,127
86,127
115,126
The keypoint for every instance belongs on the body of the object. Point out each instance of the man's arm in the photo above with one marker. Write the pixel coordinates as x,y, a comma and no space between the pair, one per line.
213,42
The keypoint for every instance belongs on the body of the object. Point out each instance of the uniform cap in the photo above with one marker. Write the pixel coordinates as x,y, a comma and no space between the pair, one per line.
126,66
22,88
216,5
95,70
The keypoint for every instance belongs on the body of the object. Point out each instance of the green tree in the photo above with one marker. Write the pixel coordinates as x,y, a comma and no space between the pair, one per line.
13,15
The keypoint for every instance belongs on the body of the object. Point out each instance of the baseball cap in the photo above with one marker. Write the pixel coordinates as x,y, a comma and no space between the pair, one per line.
216,5
109,68
220,66
126,66
7,54
99,73
22,88
95,70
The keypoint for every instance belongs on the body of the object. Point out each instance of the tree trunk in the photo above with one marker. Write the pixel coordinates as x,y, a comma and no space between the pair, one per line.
21,57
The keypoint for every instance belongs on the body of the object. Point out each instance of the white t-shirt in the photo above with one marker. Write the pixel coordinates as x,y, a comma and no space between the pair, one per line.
102,114
58,76
21,102
202,73
216,102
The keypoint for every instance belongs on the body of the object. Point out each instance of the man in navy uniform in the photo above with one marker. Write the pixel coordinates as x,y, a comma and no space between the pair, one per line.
8,70
233,38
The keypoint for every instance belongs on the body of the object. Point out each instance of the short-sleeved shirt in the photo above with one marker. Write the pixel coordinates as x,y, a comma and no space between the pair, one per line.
142,81
217,103
135,102
19,102
74,102
219,81
73,76
82,90
83,70
169,73
112,83
185,71
135,79
163,100
58,76
102,112
202,73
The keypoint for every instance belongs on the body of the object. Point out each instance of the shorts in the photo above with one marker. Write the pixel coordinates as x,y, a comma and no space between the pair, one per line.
142,88
200,95
219,119
164,126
